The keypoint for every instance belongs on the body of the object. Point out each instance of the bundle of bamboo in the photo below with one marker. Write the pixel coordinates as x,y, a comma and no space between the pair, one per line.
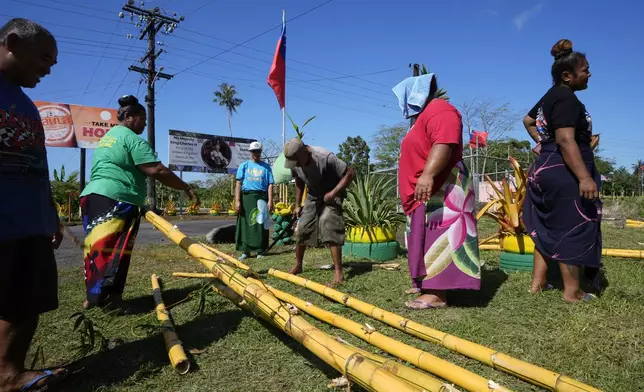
531,373
254,297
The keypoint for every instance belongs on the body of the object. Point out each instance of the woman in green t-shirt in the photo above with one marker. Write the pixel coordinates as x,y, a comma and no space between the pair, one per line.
111,203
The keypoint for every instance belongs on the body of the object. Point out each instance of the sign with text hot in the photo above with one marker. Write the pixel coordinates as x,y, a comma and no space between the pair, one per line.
69,125
198,152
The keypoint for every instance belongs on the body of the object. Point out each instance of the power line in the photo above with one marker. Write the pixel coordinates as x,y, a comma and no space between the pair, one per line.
116,71
66,11
308,99
98,64
256,36
345,76
201,7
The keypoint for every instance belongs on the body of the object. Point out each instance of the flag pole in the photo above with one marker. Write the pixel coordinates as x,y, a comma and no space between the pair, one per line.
284,187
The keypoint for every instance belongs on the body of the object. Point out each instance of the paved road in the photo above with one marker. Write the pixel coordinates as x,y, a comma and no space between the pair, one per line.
70,255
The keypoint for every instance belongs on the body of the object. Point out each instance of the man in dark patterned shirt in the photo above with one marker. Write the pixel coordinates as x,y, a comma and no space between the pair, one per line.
29,227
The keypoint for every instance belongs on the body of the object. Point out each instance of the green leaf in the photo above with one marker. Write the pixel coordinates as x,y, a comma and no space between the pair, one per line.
466,258
308,121
253,216
438,257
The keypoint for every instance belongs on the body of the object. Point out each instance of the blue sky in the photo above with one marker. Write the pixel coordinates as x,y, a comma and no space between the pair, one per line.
488,49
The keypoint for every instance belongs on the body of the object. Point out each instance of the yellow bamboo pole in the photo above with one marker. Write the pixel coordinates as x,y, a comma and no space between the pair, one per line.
628,253
625,253
353,365
176,354
408,374
422,359
225,291
490,247
413,376
529,372
193,275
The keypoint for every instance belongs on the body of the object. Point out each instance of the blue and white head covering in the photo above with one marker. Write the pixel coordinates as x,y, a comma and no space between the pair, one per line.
413,92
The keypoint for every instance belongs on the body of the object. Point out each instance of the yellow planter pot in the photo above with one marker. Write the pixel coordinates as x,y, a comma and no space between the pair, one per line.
517,244
361,235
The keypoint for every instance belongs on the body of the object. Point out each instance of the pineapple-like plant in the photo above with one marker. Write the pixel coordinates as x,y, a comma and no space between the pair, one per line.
371,204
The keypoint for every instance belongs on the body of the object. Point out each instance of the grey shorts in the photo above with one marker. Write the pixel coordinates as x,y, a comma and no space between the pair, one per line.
321,223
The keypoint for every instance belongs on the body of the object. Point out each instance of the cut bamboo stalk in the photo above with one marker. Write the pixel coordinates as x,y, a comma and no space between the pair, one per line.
490,247
422,359
350,363
413,376
326,344
625,253
193,275
628,253
410,375
177,356
524,370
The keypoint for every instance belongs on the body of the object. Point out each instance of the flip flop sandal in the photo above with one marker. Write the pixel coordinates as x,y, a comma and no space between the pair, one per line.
417,304
547,287
412,290
51,380
588,297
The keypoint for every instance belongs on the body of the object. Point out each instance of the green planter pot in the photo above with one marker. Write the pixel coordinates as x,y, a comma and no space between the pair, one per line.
383,251
512,262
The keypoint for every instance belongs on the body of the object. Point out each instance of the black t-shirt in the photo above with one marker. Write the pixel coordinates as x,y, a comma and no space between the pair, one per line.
560,108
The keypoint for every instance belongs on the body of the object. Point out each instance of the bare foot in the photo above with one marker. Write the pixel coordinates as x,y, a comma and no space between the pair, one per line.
336,281
537,288
25,378
296,270
432,299
580,296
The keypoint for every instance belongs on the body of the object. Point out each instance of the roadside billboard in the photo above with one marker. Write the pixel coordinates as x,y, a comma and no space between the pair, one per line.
203,153
68,125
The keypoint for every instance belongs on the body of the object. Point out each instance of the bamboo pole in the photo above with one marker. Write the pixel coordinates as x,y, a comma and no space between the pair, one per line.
350,363
177,356
625,253
628,253
490,247
193,275
524,370
422,359
413,376
225,291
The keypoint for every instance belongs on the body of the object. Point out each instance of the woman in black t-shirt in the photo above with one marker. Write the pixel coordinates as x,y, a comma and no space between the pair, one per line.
562,210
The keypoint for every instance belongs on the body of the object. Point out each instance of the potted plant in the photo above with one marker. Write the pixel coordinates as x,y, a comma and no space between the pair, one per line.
516,245
170,209
231,209
215,209
371,218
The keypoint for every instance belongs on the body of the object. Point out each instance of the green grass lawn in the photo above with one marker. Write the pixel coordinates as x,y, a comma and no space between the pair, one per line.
599,343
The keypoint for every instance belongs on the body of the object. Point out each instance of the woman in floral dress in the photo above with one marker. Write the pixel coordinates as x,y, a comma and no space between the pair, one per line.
437,196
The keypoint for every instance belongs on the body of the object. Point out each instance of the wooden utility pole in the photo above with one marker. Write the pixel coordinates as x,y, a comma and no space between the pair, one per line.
152,21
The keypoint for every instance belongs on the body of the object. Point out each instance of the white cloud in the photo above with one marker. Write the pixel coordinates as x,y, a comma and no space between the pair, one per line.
523,18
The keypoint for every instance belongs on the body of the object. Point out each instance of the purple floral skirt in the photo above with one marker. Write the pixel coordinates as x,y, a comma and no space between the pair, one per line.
442,239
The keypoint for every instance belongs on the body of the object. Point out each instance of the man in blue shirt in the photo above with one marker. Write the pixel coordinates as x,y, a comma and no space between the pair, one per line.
254,183
29,227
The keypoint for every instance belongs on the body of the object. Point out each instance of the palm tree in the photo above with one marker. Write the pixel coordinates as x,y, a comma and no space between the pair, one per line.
225,96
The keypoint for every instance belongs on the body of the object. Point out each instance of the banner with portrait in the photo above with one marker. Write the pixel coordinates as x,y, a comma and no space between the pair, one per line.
203,153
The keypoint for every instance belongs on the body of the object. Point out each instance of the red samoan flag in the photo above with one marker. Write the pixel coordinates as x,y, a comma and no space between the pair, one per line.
277,75
478,139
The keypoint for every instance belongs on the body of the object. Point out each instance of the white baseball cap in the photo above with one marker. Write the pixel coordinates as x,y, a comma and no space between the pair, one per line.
255,146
